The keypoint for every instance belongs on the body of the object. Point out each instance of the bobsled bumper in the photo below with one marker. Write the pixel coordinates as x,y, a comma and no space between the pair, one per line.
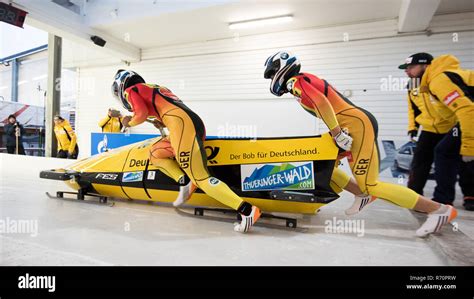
58,174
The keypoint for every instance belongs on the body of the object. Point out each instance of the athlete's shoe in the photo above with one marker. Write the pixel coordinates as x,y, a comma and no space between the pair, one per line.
436,220
185,193
248,221
359,203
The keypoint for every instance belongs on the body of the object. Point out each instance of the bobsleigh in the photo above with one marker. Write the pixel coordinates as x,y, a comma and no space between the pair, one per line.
286,175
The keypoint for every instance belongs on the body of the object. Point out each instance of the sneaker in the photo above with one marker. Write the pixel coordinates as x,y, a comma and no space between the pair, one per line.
185,193
436,220
359,203
248,221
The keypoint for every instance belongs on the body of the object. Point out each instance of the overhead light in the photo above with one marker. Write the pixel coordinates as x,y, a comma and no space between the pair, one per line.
261,22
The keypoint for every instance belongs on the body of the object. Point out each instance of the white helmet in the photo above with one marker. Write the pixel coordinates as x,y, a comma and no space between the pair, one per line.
280,67
123,80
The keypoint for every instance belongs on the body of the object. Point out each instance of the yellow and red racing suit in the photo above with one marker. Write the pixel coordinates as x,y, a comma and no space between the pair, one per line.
320,99
187,134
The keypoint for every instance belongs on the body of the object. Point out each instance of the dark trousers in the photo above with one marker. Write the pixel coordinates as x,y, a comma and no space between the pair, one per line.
65,155
422,160
12,149
448,164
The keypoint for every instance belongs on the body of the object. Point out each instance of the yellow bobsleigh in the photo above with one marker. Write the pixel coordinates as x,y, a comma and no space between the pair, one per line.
287,175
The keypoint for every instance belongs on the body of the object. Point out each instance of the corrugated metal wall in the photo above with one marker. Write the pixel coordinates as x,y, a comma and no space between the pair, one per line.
222,79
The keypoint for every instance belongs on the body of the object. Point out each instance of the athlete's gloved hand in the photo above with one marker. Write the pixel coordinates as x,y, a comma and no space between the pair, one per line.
343,140
70,155
468,158
412,134
126,120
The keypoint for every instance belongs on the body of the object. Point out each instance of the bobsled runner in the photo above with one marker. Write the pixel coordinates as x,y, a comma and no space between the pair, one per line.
286,175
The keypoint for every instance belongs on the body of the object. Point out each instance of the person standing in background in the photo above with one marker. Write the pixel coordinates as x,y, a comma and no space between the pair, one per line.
67,140
14,132
112,123
452,92
422,113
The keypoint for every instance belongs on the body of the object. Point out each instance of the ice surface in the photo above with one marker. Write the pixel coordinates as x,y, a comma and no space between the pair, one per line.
71,233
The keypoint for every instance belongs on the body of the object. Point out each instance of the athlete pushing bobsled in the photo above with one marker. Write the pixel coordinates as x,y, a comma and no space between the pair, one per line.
355,132
185,143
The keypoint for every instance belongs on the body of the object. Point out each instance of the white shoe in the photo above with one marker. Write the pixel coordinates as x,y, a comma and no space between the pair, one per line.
359,203
185,193
436,220
248,221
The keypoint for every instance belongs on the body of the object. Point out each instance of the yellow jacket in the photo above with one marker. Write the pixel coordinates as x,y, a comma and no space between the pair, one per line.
111,124
422,112
65,136
453,91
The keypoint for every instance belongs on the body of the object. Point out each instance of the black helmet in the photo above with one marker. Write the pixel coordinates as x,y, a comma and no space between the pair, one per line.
123,80
280,67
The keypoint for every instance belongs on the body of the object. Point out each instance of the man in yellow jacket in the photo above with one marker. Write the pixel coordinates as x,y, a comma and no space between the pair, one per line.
422,114
112,123
452,93
67,140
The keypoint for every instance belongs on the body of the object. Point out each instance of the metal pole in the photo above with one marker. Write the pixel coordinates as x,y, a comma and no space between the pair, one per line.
16,136
15,65
53,99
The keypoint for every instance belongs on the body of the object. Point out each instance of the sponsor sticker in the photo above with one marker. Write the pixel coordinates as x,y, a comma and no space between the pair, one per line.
277,176
151,175
135,176
214,181
451,97
107,176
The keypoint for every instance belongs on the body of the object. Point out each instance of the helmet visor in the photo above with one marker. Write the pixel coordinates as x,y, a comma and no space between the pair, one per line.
115,90
271,69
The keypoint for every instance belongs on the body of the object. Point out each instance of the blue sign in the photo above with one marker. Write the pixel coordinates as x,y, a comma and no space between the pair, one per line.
101,142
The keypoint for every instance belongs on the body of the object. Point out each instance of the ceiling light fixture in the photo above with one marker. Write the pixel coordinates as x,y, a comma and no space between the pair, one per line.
261,22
